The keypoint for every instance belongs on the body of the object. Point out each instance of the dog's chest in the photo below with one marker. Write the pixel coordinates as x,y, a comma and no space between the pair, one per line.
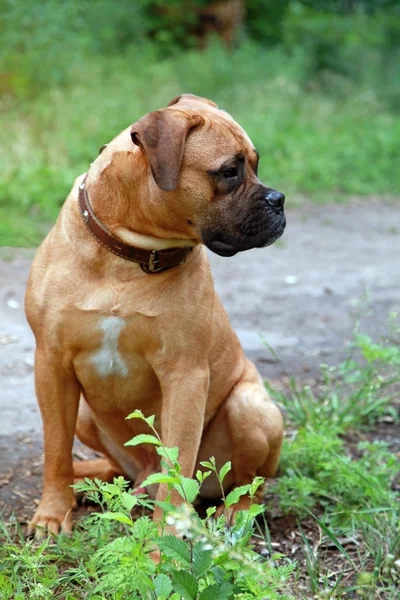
108,359
110,363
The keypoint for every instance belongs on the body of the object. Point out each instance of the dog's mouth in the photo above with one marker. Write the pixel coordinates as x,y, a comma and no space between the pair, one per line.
222,248
225,249
228,244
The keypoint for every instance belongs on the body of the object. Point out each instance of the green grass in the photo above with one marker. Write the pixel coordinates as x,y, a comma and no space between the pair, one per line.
323,141
333,477
332,468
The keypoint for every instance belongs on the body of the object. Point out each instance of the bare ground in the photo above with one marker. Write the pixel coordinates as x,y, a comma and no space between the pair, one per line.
299,297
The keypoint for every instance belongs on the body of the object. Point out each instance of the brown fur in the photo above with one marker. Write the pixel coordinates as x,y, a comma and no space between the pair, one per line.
184,363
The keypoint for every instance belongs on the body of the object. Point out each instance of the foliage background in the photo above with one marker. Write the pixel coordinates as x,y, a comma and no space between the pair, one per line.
315,83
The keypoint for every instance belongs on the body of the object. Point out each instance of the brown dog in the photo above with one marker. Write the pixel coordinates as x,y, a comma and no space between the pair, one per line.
113,337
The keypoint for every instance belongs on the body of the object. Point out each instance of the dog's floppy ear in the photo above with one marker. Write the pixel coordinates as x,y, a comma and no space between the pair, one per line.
162,135
184,97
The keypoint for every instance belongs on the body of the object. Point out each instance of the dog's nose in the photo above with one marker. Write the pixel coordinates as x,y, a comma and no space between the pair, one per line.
275,199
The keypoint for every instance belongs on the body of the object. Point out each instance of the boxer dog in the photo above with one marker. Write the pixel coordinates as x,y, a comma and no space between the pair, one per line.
122,304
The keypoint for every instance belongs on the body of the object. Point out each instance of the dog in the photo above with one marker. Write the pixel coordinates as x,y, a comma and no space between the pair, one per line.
123,308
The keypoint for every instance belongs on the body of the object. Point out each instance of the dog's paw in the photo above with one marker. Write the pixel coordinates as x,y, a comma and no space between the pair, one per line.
51,518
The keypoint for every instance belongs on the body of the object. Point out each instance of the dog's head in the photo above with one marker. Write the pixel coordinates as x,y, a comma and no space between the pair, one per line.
205,167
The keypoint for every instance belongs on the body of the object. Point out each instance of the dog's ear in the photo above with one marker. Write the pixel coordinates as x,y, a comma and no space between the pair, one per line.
184,97
162,135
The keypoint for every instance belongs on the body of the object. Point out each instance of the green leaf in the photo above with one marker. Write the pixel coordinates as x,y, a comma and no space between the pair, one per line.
255,484
188,489
217,591
235,494
174,548
210,511
330,535
202,559
167,507
129,500
163,585
137,414
143,438
166,466
144,529
185,584
225,469
200,476
230,564
159,478
255,510
170,454
116,516
209,464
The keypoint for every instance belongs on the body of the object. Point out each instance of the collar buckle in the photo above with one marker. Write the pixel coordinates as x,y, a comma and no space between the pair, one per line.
154,262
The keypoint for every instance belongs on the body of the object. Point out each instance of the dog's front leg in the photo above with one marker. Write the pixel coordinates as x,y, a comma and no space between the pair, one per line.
185,391
58,394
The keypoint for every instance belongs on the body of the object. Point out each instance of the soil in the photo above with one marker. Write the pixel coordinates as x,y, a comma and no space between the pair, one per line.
298,297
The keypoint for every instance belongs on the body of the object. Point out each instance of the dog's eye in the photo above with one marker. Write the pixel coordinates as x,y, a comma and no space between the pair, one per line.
229,173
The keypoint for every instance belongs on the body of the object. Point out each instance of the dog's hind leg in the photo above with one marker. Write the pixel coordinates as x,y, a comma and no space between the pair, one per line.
248,431
99,468
87,432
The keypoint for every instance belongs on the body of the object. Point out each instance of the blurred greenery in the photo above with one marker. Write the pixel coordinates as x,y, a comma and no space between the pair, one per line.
316,85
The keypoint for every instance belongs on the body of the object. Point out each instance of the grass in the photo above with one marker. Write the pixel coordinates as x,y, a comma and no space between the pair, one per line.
336,479
323,140
337,472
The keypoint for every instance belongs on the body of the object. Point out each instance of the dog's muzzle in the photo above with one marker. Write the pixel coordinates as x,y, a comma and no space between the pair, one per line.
258,225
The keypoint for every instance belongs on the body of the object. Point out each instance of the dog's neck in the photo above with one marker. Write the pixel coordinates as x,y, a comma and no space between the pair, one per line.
149,242
103,182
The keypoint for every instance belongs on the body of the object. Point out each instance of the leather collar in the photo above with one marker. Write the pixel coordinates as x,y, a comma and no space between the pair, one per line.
151,261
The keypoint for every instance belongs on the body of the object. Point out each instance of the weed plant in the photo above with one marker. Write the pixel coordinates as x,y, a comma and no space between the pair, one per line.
332,466
109,554
347,487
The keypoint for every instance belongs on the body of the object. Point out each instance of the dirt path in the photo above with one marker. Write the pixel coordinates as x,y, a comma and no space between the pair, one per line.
298,295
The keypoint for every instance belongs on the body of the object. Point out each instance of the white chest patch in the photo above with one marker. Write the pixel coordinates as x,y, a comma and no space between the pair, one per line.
108,360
